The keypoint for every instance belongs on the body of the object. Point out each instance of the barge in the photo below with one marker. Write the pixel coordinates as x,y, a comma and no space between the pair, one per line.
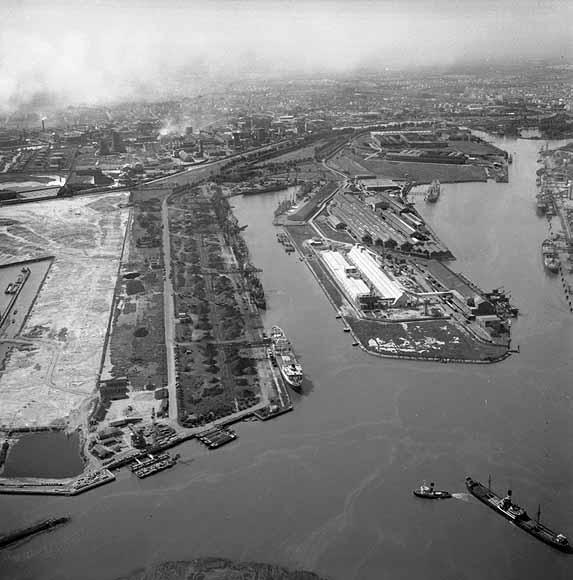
216,437
153,465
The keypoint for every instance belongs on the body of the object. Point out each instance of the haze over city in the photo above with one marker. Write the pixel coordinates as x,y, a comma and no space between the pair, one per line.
104,51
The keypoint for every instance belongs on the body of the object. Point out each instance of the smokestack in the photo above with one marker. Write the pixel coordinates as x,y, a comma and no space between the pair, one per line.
43,125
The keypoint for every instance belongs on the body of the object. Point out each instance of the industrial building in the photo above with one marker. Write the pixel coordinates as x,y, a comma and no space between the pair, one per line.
390,290
345,274
383,219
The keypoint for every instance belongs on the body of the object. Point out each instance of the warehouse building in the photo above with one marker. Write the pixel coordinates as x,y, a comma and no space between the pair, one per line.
389,289
346,275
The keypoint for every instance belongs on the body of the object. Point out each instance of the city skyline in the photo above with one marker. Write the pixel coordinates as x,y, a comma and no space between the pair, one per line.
66,52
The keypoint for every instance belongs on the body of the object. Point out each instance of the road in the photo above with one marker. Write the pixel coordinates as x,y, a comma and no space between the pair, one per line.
169,313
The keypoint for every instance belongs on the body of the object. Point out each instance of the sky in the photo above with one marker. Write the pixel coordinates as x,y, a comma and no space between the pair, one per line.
108,50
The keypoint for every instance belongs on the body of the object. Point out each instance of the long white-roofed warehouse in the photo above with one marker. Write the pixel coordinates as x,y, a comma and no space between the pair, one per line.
345,274
389,289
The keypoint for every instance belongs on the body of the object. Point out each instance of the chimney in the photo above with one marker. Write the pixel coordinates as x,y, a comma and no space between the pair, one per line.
43,125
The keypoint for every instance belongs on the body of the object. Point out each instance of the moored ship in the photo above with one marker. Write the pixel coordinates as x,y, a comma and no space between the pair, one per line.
541,205
550,256
290,368
505,507
433,192
267,187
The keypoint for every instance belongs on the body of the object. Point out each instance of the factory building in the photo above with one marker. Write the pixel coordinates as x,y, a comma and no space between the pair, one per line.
389,289
345,274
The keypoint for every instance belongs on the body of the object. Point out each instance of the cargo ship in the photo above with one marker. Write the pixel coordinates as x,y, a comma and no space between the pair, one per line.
264,188
433,192
550,257
291,370
505,507
541,204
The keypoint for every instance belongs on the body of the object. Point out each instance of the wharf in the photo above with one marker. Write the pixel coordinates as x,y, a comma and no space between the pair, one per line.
555,199
273,411
65,487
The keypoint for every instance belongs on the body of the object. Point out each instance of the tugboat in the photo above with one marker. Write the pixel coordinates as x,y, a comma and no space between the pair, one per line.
428,492
505,507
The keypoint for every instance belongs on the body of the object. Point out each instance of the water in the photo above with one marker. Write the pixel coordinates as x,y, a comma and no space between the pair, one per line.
328,486
44,454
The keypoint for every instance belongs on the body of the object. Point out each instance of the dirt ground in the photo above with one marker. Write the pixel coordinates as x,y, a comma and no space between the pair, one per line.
52,369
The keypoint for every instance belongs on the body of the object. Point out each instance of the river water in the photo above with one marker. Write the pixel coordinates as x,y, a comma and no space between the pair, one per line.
328,486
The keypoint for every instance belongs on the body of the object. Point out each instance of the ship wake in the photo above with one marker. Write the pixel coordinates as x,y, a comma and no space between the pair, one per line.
462,496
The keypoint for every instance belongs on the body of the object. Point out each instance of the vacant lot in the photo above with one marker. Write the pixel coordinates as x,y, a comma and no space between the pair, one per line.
52,368
425,172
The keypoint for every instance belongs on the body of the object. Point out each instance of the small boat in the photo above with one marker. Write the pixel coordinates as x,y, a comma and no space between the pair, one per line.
428,492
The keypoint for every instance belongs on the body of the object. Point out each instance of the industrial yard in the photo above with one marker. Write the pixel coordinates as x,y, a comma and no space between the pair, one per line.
218,295
192,278
382,268
448,154
554,200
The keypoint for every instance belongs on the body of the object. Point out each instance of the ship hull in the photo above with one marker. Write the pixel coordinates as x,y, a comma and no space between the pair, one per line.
290,369
265,189
553,268
550,256
522,521
294,383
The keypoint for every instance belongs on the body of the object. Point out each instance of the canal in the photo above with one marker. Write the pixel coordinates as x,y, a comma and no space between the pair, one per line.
328,486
